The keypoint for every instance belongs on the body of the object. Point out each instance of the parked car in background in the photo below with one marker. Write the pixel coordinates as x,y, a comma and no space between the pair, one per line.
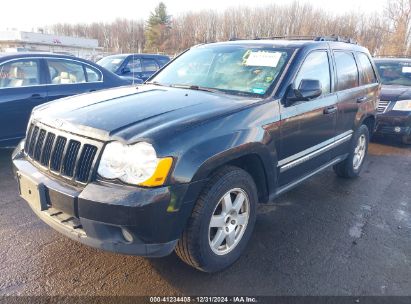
394,108
30,79
138,67
182,162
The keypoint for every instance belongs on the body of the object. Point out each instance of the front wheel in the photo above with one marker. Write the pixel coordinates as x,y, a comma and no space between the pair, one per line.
221,223
352,165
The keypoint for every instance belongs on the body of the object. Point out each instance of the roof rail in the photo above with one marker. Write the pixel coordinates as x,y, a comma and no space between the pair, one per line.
315,38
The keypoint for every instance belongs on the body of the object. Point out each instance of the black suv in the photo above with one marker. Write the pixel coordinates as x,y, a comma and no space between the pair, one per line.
182,161
394,108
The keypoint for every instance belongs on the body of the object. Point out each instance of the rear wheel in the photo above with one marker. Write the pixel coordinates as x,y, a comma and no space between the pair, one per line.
352,165
221,223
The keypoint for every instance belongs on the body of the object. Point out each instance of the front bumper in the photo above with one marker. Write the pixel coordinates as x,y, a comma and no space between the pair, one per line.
117,218
394,123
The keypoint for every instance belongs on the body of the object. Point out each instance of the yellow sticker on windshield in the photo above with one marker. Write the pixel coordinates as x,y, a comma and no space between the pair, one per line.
261,58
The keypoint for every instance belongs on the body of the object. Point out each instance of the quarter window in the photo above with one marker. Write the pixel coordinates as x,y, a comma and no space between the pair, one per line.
347,71
367,74
21,73
93,75
316,67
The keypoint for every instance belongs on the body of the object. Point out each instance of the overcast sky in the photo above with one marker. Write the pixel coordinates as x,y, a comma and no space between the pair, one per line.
29,14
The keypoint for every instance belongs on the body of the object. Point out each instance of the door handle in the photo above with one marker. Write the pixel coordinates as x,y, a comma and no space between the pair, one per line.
362,99
330,110
92,90
36,96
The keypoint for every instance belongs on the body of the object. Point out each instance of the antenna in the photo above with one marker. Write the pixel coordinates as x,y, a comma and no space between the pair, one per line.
132,49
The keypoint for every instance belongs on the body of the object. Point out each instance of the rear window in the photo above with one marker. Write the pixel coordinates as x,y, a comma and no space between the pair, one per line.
347,71
367,74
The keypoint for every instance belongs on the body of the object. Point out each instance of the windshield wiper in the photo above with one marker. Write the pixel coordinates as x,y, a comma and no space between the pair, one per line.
157,83
195,87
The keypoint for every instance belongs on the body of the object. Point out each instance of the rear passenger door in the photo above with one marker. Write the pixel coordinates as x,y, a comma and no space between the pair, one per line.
352,92
308,127
68,77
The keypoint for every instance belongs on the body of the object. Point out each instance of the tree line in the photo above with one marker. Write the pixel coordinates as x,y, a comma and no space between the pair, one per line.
384,33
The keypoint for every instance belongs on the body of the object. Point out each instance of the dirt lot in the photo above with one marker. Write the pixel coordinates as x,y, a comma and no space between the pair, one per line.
329,236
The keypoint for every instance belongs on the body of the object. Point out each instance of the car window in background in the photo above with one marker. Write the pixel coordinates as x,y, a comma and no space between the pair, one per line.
162,61
347,71
232,69
93,75
150,65
367,73
112,63
134,64
394,72
65,71
316,67
21,73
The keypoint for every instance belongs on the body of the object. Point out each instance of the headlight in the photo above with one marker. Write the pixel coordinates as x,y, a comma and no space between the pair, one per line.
134,164
402,105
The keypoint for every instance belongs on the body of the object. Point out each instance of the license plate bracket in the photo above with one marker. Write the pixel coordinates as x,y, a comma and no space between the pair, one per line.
31,191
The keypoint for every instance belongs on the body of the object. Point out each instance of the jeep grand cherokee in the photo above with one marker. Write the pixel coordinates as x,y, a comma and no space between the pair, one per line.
181,162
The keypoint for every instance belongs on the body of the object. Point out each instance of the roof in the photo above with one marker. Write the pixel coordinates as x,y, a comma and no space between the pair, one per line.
7,56
293,43
139,54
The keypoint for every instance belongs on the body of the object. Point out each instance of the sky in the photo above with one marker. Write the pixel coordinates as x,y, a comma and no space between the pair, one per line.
31,14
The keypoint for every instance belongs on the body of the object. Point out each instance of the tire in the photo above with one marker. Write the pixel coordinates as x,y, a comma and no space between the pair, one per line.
406,140
347,168
195,246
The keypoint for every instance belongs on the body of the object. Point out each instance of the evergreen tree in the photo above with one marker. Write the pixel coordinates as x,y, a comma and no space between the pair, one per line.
157,29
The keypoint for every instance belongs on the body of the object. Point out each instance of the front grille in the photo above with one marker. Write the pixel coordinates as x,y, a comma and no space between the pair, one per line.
382,106
63,154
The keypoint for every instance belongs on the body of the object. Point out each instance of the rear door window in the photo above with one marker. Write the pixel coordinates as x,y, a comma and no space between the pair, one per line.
134,64
21,73
316,67
367,74
347,71
66,71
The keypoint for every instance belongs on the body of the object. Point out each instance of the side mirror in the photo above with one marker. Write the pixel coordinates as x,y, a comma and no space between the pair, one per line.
307,90
125,70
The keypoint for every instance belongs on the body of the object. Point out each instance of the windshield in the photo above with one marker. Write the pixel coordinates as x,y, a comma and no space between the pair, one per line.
395,72
112,63
233,69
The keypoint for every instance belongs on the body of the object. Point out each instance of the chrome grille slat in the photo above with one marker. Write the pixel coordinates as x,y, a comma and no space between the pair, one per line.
45,158
57,155
33,141
382,106
70,158
62,154
85,162
39,145
28,137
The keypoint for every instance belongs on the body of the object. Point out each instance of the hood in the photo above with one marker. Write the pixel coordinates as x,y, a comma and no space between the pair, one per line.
395,93
129,111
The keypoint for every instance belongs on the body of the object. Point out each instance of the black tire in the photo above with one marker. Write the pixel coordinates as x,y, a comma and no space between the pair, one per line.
346,168
406,140
194,247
